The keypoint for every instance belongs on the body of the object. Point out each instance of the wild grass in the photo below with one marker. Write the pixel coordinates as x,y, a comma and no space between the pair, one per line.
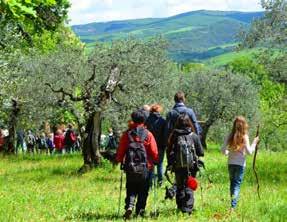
48,188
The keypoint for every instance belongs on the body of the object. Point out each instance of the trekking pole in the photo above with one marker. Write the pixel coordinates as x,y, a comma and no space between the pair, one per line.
154,213
121,186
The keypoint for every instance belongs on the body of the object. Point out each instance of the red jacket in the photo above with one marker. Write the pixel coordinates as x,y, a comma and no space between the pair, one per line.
149,144
59,141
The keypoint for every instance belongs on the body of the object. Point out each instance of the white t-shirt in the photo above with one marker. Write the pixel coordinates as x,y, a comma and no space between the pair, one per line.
238,157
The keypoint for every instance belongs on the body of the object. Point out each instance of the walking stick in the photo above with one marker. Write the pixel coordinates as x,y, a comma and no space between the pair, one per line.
154,213
254,164
121,186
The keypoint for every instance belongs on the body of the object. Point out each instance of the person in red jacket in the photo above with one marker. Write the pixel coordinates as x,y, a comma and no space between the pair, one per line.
59,142
136,188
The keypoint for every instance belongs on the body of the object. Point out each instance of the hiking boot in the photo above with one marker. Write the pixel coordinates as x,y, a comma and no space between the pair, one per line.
128,214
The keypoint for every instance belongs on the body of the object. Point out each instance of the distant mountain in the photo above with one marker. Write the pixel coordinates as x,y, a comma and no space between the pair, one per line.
192,36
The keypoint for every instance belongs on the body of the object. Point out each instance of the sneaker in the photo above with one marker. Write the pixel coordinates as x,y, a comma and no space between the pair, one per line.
128,214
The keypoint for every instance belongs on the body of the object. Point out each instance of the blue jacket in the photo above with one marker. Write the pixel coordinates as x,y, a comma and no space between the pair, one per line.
173,114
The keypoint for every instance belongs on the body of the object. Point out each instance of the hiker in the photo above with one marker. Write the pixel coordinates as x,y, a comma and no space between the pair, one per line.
42,144
183,150
156,124
31,142
50,143
236,146
179,107
111,141
139,150
70,139
20,135
2,140
59,142
146,110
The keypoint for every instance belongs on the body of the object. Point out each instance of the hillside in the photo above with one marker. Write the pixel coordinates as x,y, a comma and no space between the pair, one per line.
192,36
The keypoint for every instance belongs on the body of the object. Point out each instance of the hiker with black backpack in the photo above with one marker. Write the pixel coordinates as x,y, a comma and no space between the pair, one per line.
137,152
180,108
156,124
184,149
70,139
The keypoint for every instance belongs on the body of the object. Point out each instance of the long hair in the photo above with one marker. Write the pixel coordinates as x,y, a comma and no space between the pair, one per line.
236,138
183,121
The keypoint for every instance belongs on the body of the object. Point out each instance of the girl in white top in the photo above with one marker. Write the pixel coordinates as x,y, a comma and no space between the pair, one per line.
236,146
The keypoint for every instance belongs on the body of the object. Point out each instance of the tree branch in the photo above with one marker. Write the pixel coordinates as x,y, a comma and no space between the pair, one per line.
64,93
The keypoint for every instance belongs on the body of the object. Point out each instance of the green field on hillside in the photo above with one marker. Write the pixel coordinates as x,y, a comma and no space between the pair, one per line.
192,36
47,188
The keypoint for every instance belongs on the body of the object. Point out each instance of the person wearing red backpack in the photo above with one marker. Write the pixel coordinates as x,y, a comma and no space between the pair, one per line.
70,139
138,152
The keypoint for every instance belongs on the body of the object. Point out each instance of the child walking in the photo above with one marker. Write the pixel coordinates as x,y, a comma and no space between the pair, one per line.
236,146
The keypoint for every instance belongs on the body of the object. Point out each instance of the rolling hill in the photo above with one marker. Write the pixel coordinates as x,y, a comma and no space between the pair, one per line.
192,36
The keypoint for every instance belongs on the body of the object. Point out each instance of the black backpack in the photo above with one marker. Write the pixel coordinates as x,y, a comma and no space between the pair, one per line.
185,156
135,164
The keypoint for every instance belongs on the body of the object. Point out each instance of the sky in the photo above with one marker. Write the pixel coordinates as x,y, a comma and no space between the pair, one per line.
87,11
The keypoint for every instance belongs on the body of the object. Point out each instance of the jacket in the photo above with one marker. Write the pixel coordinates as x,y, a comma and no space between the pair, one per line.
149,144
59,141
173,114
157,126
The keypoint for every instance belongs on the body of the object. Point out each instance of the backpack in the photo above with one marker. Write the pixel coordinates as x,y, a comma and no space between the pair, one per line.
135,164
185,156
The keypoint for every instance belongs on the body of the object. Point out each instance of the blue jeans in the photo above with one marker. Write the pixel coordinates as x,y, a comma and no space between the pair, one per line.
236,173
160,166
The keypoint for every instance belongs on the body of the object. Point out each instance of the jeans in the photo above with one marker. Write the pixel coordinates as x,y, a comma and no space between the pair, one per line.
160,166
236,173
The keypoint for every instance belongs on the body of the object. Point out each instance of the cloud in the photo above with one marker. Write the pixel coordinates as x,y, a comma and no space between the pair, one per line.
87,11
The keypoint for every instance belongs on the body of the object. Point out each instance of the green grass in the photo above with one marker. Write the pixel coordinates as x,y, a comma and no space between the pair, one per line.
42,188
226,58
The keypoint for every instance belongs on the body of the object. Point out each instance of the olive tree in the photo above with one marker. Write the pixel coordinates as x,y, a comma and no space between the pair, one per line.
219,96
118,76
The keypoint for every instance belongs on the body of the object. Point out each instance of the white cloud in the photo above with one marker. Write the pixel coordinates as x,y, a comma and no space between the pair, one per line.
86,11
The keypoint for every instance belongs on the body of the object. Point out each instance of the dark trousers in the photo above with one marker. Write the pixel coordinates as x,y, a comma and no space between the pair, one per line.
184,195
137,190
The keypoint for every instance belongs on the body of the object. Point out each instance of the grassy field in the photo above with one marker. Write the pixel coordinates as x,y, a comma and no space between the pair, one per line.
47,188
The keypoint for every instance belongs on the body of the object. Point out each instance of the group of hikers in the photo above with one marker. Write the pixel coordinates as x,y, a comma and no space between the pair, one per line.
150,137
60,142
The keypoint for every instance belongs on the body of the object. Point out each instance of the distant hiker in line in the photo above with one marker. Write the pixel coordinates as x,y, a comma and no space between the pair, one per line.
59,142
179,108
183,150
31,142
2,140
42,144
111,141
20,141
236,146
70,139
138,150
50,143
156,124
